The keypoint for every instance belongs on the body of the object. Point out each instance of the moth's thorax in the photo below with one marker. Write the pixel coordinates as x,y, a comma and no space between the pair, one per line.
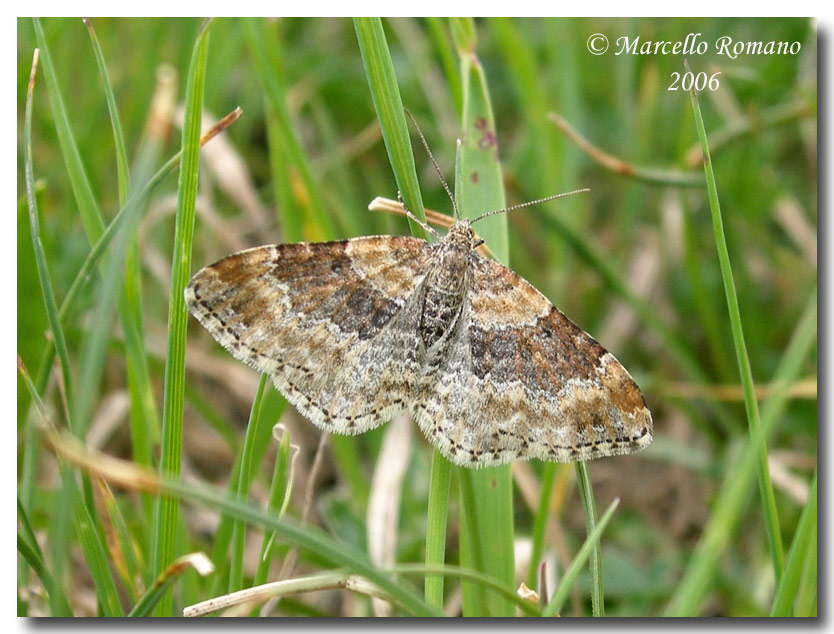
451,259
446,281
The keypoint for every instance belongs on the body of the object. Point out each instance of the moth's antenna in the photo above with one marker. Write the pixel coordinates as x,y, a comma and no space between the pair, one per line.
528,204
427,227
433,162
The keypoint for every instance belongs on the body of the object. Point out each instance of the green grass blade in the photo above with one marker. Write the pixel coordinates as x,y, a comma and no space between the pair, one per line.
704,304
123,552
40,258
72,504
436,516
729,503
95,346
540,523
341,192
99,247
272,406
290,215
578,563
28,459
96,338
337,553
803,538
89,209
318,225
487,541
112,230
60,536
480,578
463,34
171,451
586,494
750,403
95,553
31,554
223,538
148,601
92,260
122,172
26,490
806,596
480,187
160,586
553,161
247,473
81,188
443,47
143,415
470,550
127,211
379,69
279,495
385,93
27,545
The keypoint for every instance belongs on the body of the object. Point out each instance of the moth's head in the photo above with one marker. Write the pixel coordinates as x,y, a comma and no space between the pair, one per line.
463,236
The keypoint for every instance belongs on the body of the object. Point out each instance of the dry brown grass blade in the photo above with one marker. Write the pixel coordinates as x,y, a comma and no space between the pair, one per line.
603,158
163,103
249,597
121,473
106,505
806,388
436,218
384,502
125,474
231,174
624,168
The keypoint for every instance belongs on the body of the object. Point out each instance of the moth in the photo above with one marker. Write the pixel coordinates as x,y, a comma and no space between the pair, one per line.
355,331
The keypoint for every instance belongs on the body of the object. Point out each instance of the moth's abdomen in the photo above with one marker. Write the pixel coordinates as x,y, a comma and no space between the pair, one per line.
439,311
446,286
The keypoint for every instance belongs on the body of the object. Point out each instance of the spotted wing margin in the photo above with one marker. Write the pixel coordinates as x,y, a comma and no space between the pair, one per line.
528,383
330,322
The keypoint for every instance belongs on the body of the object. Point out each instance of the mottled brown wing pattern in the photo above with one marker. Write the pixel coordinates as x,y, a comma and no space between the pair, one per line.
331,323
536,386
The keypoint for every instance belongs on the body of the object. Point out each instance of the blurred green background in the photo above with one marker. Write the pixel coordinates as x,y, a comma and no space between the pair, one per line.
653,238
